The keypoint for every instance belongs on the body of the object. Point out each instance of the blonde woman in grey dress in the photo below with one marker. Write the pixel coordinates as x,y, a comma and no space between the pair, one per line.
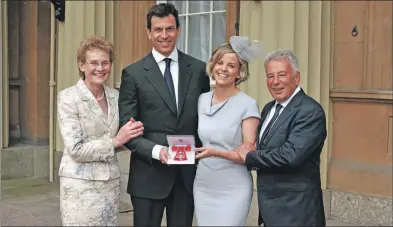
228,117
89,121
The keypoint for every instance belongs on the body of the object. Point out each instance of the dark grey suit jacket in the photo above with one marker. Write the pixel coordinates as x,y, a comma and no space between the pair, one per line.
145,97
289,186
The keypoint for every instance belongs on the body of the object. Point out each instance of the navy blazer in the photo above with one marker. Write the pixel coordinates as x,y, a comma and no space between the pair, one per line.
288,165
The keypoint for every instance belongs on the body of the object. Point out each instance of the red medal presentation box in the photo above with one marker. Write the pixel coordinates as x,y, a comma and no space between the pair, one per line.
181,149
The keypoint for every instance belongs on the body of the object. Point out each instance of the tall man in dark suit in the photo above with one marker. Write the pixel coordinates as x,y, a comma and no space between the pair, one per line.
287,158
161,90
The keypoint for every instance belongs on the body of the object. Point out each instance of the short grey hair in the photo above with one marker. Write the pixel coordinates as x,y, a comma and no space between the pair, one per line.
280,54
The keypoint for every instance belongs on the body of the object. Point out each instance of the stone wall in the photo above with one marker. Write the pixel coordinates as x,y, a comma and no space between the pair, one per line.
25,161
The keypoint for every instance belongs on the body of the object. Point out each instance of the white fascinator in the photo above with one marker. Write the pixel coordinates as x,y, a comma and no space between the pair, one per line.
245,49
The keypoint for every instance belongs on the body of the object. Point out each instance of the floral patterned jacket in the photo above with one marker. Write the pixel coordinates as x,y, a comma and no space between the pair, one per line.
87,134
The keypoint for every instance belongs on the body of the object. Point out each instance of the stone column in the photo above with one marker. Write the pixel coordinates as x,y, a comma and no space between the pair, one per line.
4,77
1,85
14,76
34,21
1,99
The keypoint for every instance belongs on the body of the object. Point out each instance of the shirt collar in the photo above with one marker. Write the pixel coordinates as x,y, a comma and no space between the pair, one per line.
284,104
159,57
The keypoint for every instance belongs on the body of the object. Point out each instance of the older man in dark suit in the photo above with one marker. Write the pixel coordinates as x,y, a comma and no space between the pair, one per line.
162,90
287,156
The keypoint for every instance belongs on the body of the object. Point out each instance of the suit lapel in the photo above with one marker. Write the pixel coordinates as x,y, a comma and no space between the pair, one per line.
264,114
288,110
154,76
185,75
90,101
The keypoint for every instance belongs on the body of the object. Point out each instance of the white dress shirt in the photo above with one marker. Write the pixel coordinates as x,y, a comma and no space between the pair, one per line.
175,77
271,113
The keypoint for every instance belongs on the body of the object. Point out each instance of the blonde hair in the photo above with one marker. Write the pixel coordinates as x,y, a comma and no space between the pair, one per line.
93,43
217,55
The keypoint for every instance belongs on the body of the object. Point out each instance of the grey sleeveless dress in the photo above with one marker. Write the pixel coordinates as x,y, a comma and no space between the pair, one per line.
223,189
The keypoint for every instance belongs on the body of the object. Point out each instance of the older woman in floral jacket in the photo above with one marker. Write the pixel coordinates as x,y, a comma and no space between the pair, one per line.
89,123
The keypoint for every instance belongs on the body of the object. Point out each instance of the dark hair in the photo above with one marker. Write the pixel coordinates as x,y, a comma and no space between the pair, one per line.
162,10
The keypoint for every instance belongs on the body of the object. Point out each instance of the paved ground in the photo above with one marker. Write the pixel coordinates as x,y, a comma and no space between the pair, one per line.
35,202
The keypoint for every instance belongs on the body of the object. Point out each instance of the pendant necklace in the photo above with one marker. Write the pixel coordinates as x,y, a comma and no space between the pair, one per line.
102,96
